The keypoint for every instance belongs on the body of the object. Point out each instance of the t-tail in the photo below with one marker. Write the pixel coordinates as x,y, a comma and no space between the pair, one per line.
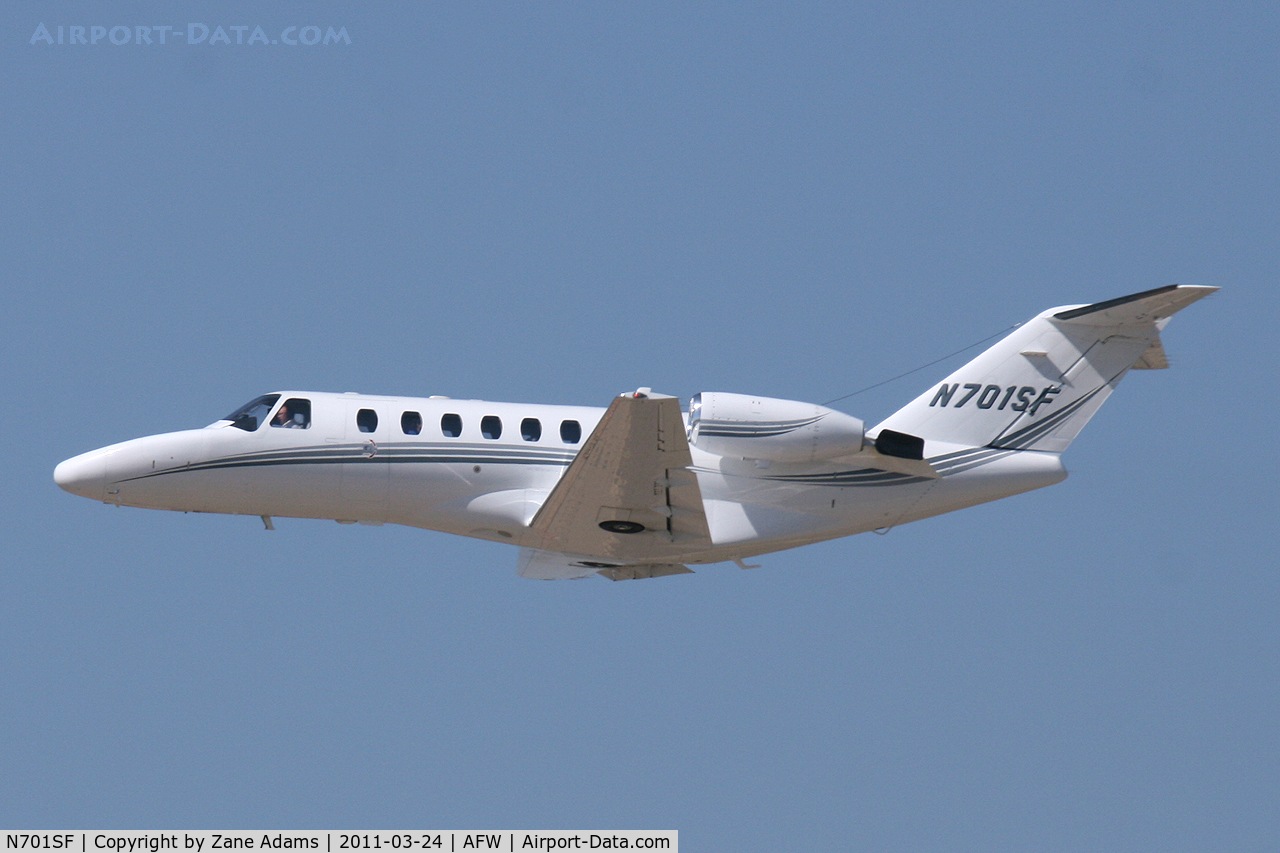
1038,387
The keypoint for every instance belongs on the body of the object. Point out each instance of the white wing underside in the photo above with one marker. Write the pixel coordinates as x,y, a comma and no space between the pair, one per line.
549,565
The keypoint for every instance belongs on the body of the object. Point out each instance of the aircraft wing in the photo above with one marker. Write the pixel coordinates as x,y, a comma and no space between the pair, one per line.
548,565
629,494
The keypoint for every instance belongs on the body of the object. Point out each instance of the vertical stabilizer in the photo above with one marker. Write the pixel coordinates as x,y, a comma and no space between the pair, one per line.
1038,387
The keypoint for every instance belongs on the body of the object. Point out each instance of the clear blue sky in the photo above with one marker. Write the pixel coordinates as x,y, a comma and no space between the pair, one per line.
561,202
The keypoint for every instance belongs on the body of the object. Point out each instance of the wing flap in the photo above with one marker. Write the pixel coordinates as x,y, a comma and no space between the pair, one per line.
548,565
645,570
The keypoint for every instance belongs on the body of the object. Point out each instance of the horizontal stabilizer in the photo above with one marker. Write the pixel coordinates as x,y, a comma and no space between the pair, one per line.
1147,306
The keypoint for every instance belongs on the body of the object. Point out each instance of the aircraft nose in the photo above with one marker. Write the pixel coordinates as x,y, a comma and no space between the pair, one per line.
84,475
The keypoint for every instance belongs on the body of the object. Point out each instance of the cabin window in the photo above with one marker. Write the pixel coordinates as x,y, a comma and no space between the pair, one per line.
451,425
293,413
570,432
491,426
411,423
531,429
367,420
251,415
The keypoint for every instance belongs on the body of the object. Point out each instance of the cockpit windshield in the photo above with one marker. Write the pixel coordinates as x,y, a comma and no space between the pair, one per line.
251,415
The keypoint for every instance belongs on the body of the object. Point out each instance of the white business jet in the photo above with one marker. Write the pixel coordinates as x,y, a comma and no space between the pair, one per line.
642,489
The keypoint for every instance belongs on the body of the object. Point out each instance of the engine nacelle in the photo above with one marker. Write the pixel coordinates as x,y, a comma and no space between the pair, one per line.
775,430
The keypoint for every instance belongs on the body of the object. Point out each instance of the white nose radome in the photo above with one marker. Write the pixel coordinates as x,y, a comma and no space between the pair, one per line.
84,475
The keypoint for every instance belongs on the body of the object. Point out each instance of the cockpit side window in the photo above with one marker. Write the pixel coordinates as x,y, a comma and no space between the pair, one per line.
251,415
294,413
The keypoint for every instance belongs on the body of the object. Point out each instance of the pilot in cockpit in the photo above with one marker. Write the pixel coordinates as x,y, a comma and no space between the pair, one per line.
284,419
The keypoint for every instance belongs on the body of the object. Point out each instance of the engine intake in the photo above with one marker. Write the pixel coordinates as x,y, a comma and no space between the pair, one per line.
766,428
